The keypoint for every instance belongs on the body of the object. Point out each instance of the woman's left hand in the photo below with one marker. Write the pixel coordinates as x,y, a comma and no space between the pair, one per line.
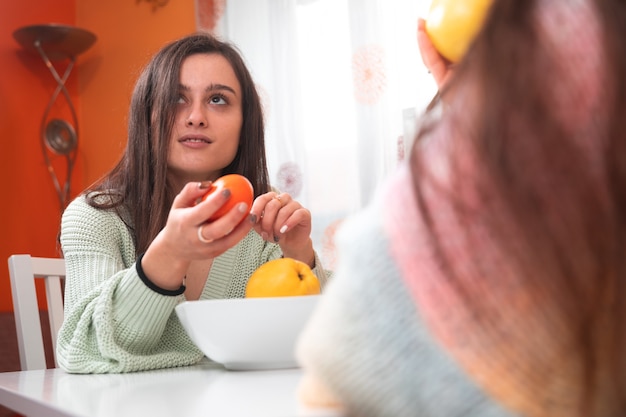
281,219
437,65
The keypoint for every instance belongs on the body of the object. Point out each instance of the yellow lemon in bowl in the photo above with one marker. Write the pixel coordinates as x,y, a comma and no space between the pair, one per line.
452,25
283,277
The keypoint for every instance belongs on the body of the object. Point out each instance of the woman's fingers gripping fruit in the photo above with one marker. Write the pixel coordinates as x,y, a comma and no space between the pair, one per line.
240,191
269,213
281,219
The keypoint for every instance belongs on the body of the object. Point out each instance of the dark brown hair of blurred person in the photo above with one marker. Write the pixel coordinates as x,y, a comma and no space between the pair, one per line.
550,174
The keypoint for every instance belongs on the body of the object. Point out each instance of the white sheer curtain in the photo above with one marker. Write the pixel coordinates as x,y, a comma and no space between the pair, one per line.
341,82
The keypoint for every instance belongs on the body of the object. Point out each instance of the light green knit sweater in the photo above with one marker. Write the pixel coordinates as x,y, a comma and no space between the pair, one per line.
113,321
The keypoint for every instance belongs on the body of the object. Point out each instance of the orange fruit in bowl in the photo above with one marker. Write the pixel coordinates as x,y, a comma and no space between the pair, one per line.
282,277
452,25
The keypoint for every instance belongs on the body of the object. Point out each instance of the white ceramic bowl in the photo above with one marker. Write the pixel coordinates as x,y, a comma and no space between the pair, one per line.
248,333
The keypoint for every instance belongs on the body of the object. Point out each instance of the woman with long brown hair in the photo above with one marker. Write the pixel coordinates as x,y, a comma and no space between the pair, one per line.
489,278
137,243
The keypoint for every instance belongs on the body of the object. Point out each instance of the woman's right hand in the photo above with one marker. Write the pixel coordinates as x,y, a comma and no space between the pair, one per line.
437,65
179,242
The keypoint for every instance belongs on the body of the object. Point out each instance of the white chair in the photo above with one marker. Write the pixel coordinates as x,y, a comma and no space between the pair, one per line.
23,269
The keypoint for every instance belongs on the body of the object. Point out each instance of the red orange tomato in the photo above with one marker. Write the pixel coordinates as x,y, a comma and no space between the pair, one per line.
240,191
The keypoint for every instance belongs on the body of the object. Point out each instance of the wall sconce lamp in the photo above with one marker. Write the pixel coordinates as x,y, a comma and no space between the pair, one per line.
57,42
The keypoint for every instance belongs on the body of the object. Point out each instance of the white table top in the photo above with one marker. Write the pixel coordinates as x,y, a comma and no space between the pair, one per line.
206,389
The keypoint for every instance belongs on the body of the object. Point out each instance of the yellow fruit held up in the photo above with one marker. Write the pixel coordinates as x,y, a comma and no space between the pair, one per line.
283,277
452,25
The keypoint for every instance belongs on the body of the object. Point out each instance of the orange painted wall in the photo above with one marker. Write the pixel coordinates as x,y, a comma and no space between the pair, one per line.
30,210
128,32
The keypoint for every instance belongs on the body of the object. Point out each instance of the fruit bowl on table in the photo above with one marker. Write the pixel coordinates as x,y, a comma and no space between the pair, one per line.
248,333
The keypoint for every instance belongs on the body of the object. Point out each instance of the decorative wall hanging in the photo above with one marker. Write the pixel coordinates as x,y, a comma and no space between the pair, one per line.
208,13
54,42
155,3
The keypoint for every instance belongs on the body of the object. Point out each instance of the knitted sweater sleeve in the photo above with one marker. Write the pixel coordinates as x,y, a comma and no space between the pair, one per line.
113,321
368,345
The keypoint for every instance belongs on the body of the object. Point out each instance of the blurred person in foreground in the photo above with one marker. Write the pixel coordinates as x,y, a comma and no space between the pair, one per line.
488,278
